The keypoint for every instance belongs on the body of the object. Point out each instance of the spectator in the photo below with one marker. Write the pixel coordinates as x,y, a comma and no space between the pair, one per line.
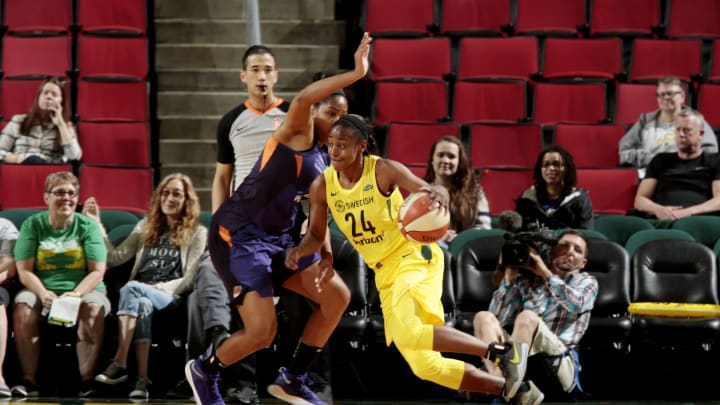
44,134
8,236
554,201
449,166
654,132
167,246
59,254
547,307
683,183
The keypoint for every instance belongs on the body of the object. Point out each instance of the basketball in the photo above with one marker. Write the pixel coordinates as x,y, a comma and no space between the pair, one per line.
422,222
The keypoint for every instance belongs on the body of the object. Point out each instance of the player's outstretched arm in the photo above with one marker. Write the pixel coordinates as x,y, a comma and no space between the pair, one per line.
316,236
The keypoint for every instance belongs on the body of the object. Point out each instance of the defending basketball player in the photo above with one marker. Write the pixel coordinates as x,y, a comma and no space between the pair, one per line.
361,191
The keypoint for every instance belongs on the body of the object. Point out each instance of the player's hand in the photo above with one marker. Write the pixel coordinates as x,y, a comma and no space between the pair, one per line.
361,55
438,195
91,209
291,258
56,113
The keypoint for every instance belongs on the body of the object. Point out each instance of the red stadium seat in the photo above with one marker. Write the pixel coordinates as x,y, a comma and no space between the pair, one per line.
582,103
653,59
398,17
23,186
114,143
503,187
112,57
18,96
612,191
420,58
38,16
127,16
624,17
36,56
709,103
410,101
588,58
633,99
515,145
694,19
102,183
550,17
474,17
513,58
498,101
410,143
715,64
592,146
112,101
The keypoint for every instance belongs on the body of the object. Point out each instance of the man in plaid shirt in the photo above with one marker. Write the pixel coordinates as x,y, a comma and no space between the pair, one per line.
547,308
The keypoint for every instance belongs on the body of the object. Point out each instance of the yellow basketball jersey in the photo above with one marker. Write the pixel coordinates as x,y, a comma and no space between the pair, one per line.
366,217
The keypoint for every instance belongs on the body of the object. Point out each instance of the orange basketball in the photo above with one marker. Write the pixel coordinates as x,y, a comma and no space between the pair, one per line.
422,221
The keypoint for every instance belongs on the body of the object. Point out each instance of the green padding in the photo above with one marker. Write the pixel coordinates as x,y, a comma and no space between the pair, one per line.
619,228
111,219
18,215
469,234
641,237
703,228
205,218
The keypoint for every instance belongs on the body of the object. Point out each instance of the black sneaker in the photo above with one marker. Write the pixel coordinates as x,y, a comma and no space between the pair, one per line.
87,389
513,364
25,390
243,395
141,390
114,374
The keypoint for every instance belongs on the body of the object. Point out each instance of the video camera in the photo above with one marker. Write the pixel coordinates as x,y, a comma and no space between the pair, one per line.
516,250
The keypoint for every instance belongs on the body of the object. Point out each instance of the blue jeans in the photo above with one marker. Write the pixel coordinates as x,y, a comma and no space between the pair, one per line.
138,300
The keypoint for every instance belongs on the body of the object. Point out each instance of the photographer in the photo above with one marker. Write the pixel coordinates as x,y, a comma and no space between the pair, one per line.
545,307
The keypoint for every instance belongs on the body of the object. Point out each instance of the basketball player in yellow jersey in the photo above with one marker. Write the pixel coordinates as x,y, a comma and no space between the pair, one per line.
361,192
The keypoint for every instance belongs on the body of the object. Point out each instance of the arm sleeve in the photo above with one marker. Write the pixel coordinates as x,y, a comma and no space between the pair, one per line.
630,152
579,296
224,146
27,241
72,150
7,139
195,252
482,212
127,249
586,212
93,242
709,140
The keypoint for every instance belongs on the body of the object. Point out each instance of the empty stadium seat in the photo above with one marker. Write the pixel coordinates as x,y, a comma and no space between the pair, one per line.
509,58
693,19
398,18
709,103
641,237
38,16
612,191
23,186
675,271
619,228
715,64
112,101
703,228
422,58
36,56
582,103
653,59
500,145
410,101
584,58
550,17
125,189
114,143
490,100
624,17
591,145
503,187
475,17
112,57
127,16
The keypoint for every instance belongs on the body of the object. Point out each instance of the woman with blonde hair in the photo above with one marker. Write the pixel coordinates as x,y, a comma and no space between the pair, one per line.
167,246
45,134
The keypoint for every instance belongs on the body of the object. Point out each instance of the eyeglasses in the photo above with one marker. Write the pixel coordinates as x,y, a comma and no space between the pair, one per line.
664,94
62,193
547,165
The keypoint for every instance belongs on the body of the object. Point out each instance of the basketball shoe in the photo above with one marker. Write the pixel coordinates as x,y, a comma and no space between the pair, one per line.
528,394
294,389
204,385
513,364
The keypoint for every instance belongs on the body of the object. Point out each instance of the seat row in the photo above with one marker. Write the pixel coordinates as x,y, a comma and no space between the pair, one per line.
529,57
681,18
120,188
514,100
